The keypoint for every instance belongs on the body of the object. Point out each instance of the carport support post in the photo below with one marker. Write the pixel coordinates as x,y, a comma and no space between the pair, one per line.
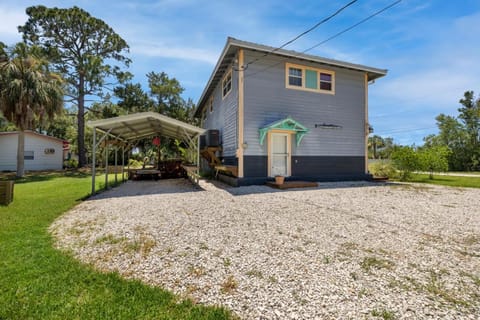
128,162
106,164
116,165
94,151
198,154
123,163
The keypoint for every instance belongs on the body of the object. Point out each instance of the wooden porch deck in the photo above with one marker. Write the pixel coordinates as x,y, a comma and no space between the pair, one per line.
292,184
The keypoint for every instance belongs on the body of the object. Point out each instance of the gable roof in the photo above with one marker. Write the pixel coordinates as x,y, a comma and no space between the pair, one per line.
230,50
141,125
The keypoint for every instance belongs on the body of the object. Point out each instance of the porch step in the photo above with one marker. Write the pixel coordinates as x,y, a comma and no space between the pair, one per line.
292,184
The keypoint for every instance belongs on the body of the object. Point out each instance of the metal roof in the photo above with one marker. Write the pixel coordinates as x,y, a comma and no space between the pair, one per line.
230,50
5,133
140,125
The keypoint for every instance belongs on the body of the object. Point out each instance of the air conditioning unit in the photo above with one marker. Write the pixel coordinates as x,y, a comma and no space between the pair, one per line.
212,138
203,141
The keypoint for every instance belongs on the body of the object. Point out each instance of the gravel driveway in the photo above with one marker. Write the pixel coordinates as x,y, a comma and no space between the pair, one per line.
351,250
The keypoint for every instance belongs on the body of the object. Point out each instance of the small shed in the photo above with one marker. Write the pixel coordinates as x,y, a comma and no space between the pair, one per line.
42,152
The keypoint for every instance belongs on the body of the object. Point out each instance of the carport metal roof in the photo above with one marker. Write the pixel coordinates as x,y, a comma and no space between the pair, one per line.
140,125
134,127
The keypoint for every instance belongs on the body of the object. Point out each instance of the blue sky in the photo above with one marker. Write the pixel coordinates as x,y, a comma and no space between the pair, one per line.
430,48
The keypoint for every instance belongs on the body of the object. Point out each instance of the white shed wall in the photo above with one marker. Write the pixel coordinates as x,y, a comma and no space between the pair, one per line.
35,143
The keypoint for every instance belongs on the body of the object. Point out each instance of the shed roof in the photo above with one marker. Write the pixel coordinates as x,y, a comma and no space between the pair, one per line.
230,50
40,135
140,125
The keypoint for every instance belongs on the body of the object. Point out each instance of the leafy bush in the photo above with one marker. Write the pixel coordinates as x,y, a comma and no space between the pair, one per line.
434,159
382,168
135,163
406,160
71,163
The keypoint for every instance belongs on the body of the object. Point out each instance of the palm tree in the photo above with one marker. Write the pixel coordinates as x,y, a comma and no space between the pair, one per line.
29,92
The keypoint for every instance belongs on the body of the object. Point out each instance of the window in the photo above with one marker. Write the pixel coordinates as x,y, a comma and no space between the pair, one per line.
295,77
310,79
203,118
210,104
326,80
227,84
28,155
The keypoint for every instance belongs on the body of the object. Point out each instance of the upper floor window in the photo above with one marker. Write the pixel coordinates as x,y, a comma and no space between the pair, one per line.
203,118
295,77
210,104
309,79
227,84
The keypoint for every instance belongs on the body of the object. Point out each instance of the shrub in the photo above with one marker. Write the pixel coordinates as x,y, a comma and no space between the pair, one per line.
406,160
71,163
135,163
382,168
434,159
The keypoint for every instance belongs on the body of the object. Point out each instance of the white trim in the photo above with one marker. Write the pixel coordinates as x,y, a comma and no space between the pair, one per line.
288,134
210,104
224,81
240,117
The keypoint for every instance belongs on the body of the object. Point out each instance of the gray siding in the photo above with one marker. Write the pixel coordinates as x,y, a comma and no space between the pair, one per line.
267,100
224,116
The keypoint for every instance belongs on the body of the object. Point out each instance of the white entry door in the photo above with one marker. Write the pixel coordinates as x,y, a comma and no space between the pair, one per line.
280,156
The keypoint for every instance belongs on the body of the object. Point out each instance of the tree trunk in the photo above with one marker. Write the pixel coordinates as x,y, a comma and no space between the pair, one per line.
21,154
82,161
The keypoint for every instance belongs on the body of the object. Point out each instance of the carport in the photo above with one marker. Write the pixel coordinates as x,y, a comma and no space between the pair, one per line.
126,131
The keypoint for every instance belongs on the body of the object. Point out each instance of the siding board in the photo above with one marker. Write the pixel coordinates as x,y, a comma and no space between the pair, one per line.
224,116
267,100
33,142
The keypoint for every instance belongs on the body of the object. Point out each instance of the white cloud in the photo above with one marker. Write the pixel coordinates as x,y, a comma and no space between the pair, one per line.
440,72
166,51
10,19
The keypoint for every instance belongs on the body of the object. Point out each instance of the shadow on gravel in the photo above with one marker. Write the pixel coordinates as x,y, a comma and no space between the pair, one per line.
133,188
247,190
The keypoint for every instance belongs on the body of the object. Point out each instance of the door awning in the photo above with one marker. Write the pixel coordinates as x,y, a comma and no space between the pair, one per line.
287,124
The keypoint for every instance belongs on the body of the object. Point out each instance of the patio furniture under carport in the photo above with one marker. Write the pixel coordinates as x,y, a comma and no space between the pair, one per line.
124,131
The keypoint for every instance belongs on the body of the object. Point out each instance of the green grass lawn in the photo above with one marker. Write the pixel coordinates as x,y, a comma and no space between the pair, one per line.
453,181
40,282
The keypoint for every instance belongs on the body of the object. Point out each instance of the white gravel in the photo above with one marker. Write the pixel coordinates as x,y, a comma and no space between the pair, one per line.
351,250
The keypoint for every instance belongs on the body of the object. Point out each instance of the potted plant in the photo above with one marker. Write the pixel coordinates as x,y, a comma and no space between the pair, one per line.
279,179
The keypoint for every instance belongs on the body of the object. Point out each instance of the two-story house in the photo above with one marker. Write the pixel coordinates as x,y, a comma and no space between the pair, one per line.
281,112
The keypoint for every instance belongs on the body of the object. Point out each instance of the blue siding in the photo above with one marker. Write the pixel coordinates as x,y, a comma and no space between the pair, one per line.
267,100
224,116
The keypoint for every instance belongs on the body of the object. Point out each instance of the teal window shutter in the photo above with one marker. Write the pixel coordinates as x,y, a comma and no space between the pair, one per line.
311,79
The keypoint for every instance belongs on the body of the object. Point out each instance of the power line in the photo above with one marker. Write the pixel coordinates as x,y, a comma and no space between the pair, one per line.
244,67
355,25
332,37
404,130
